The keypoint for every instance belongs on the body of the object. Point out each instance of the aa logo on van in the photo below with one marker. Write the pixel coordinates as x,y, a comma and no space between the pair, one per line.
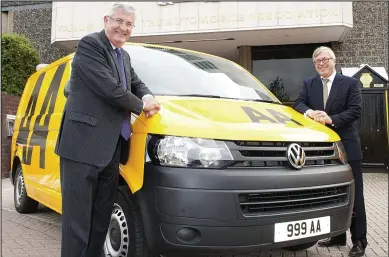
274,117
38,135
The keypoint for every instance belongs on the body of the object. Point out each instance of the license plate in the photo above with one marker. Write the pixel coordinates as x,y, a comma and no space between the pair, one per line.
292,230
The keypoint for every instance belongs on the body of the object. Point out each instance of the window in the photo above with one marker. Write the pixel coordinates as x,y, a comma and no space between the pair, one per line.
4,22
179,72
283,68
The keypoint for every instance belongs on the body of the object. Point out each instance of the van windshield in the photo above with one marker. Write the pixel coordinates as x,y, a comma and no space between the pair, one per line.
178,72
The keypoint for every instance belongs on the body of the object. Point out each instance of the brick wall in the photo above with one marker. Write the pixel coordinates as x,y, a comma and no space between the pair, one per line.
367,42
9,105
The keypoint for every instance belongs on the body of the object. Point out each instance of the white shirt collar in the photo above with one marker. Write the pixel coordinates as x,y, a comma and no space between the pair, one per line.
331,78
114,47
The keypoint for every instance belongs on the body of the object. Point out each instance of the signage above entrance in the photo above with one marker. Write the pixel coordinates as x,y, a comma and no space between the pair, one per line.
249,23
72,20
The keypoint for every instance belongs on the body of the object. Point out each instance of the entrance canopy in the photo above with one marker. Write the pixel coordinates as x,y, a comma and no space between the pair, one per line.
213,27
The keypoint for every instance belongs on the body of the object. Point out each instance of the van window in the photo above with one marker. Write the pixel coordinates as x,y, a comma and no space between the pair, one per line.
173,72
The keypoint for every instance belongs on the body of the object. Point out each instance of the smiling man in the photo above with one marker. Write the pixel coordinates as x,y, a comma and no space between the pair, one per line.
336,101
95,131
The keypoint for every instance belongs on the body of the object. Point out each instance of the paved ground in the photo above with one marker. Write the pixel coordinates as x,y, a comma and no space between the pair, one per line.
39,234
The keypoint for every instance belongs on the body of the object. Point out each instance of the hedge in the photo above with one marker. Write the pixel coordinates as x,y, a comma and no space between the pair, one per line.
18,61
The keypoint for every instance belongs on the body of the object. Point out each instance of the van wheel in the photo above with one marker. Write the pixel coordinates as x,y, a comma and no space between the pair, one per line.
23,203
300,247
125,237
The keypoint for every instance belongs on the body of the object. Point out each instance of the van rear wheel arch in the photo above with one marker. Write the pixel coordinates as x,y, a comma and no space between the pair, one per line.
16,162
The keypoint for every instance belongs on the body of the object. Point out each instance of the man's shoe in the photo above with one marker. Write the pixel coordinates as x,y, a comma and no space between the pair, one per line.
358,250
332,241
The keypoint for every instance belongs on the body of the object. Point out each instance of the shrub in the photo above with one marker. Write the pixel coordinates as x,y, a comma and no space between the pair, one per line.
18,61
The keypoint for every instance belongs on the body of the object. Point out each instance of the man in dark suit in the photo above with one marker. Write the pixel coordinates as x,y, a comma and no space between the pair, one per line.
336,100
94,136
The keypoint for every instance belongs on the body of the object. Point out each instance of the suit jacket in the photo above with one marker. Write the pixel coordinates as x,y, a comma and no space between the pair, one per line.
344,106
97,102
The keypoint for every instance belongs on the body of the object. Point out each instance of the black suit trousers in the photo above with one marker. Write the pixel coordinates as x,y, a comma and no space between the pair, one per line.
88,195
358,227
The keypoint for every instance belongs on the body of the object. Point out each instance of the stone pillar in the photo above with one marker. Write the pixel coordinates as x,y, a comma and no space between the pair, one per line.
7,22
10,22
245,58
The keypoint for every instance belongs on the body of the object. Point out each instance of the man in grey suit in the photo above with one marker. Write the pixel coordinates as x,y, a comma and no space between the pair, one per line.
94,136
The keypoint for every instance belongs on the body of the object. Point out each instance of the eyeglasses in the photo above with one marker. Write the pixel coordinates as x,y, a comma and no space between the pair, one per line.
121,22
324,60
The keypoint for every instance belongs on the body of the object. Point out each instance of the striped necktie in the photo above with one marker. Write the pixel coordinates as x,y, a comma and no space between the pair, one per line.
126,129
325,91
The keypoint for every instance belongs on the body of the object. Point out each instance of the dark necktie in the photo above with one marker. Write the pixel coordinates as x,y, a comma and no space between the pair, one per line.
126,130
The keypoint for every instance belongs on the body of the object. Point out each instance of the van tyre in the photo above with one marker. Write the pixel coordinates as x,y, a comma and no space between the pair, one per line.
125,237
300,247
23,203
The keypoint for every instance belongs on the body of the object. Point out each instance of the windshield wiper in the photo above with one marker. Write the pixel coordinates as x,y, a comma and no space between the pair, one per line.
200,95
263,101
224,97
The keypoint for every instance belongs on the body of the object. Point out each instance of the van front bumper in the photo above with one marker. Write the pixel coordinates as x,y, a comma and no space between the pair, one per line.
200,210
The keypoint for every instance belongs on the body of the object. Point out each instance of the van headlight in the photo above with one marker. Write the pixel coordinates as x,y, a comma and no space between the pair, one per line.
341,152
189,152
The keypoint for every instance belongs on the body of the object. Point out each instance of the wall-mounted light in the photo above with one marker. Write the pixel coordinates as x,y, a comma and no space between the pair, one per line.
10,124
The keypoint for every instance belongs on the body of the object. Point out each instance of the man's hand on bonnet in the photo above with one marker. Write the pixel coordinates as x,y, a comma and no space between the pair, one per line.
151,106
321,116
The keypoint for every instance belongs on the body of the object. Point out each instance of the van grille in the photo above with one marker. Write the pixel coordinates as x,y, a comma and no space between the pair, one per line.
290,201
273,154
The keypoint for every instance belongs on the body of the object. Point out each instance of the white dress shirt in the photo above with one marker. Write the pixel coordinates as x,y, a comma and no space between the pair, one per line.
329,85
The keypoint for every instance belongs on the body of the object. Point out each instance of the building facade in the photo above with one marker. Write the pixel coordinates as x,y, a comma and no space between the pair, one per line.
357,31
272,40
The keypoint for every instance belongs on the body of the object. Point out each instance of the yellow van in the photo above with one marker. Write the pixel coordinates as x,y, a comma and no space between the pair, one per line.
224,166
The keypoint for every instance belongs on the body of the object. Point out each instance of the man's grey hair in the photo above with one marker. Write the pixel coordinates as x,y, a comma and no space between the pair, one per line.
127,8
323,49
